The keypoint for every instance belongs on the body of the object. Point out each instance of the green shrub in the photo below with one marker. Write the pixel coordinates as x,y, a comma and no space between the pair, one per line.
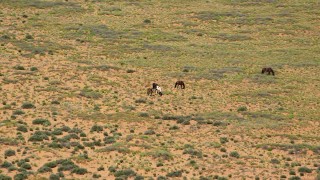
39,136
18,112
80,171
143,114
55,102
26,166
4,177
275,161
224,140
96,128
28,36
147,21
234,154
27,105
18,67
125,172
141,100
6,164
44,169
54,177
44,122
96,175
304,170
33,69
242,108
175,174
57,131
174,127
22,128
9,152
149,132
89,93
101,168
193,152
130,71
295,178
20,176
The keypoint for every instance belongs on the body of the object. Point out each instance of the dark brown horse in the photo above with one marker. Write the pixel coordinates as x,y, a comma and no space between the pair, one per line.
267,70
181,84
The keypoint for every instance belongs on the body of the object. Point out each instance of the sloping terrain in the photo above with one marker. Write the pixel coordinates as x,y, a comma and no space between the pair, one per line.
74,76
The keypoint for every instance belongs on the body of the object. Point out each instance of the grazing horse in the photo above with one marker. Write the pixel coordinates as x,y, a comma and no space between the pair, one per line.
159,90
181,84
150,91
267,70
155,89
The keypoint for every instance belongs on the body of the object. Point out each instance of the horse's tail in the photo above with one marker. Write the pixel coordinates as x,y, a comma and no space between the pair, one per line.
183,85
263,69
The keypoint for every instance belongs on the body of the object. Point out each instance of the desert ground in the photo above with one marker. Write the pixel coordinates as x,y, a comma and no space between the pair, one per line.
73,89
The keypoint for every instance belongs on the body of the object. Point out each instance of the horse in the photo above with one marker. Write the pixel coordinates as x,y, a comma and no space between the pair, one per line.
159,90
150,91
154,85
181,84
267,70
155,89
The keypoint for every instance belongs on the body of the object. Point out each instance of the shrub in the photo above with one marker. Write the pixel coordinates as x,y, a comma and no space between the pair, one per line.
149,132
101,168
9,152
109,140
125,172
96,128
6,164
96,175
275,161
192,152
130,71
18,67
54,177
80,171
304,170
175,174
43,122
224,140
44,169
57,131
234,154
33,69
20,176
39,136
295,178
22,128
242,108
26,166
147,21
18,112
27,105
140,101
55,102
174,127
89,93
4,177
28,36
143,114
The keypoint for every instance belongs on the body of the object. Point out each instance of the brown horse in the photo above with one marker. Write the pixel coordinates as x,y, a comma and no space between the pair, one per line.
181,84
267,70
150,91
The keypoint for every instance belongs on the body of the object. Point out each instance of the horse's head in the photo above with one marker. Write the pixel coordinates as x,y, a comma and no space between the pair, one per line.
160,93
